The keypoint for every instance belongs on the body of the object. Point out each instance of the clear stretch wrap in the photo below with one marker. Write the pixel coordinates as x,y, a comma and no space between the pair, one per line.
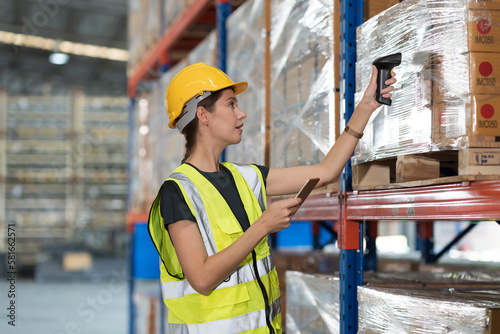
303,81
423,310
312,303
413,302
245,62
439,99
141,170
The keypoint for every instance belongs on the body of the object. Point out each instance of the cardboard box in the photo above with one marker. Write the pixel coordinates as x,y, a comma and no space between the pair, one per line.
374,7
484,117
76,261
484,4
485,111
483,28
484,73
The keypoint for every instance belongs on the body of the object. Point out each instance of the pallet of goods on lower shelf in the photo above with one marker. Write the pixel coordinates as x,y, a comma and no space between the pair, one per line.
418,302
444,117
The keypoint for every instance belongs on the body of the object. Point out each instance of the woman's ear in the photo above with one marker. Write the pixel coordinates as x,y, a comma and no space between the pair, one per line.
202,114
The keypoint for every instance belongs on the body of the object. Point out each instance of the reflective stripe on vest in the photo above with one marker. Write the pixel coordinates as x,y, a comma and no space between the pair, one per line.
242,274
201,212
253,179
234,325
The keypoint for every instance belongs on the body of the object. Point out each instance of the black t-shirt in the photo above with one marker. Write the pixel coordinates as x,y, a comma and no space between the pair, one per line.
174,208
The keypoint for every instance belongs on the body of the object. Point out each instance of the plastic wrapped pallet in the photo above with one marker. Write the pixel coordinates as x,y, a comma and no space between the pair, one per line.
141,159
303,80
389,302
134,32
446,95
433,279
144,28
245,62
166,145
312,303
304,67
451,310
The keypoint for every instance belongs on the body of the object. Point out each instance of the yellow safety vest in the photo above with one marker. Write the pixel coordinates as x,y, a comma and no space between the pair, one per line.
248,301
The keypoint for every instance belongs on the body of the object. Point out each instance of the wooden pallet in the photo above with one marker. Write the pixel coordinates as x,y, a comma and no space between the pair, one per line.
466,164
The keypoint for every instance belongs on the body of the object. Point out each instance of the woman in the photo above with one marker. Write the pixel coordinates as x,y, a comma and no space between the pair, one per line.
209,221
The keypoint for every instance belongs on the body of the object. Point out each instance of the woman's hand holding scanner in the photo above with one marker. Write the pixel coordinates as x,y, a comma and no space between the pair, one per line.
384,67
369,98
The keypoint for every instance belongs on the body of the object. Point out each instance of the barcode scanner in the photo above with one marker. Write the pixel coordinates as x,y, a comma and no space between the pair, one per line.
384,66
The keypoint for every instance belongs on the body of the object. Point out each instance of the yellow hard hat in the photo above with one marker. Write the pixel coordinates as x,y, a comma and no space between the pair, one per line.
192,81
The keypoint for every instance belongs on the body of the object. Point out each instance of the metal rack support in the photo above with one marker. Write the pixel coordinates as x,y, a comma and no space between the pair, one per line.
223,10
350,242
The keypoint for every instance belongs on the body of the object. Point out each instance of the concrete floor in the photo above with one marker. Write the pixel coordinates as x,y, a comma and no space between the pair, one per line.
56,308
69,307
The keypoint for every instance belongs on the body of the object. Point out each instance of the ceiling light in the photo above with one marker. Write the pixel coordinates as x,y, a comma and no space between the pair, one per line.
58,58
80,49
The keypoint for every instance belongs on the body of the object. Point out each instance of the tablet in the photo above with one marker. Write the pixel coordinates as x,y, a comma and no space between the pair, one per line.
306,189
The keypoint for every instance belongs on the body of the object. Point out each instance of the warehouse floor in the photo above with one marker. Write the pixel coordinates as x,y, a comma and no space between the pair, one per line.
61,306
67,308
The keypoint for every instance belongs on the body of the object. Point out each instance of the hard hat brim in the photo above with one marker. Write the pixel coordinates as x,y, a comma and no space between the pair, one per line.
239,87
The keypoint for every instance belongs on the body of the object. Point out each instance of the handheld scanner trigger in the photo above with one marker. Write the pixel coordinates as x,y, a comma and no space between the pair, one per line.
384,66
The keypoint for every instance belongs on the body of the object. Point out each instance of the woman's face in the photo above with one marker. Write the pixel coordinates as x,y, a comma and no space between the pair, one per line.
226,121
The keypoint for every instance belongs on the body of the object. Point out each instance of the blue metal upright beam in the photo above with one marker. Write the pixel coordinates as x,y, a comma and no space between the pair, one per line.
223,11
131,283
351,274
165,65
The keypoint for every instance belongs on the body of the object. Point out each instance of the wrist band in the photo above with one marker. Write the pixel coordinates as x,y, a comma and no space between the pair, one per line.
352,132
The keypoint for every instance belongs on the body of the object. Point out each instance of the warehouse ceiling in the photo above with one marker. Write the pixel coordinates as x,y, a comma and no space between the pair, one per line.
27,70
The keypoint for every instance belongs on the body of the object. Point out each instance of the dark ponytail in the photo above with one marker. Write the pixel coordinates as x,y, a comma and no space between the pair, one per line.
190,131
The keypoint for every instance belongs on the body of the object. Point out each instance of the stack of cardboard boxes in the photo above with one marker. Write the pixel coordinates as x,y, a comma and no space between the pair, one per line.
447,96
482,60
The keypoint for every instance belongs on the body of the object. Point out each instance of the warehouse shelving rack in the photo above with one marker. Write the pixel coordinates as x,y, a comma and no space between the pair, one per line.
37,176
46,149
357,212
